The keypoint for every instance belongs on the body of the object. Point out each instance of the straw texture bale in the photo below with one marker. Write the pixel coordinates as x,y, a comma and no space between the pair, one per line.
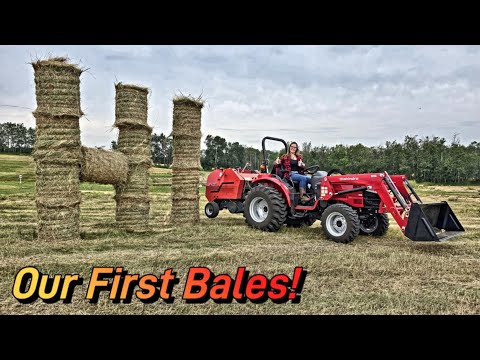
57,151
186,160
132,211
187,117
59,223
131,105
134,142
103,167
57,87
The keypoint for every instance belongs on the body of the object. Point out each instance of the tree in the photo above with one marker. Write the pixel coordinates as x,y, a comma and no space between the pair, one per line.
162,149
214,156
16,138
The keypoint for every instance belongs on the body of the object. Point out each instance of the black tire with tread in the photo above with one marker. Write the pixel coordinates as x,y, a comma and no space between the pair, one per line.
214,209
277,208
299,222
382,226
353,223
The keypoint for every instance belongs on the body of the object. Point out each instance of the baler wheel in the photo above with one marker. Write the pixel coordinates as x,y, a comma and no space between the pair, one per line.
212,209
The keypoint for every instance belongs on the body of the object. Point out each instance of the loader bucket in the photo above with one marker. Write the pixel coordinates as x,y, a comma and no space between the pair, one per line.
432,222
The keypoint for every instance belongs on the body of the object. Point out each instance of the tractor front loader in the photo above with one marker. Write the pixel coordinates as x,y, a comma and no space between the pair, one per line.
347,205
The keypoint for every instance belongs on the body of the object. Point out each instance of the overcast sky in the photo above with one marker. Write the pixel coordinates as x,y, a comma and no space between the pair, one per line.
325,95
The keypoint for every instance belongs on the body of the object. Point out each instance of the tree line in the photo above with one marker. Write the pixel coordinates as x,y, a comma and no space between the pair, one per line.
16,138
427,159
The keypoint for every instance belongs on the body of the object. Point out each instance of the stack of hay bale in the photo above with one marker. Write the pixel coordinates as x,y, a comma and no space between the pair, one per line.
134,141
187,113
57,152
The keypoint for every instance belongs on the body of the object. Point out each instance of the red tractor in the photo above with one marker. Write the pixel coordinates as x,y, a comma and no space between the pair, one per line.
346,204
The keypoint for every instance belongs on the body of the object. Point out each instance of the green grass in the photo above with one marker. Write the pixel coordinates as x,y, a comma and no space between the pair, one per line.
387,275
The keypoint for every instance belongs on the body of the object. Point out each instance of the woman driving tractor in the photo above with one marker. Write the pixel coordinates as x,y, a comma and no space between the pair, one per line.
294,167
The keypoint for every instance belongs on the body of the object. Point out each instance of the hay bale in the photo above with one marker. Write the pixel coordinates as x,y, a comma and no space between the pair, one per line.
185,184
103,167
138,181
132,212
58,223
57,87
57,132
186,210
179,190
186,152
57,185
134,142
57,151
131,105
187,113
186,160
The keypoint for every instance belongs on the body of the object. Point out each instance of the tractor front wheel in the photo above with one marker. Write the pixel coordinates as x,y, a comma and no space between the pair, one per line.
265,208
340,223
374,225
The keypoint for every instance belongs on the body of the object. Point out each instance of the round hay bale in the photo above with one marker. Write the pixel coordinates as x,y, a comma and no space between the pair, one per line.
132,212
184,172
57,185
186,152
188,101
57,132
58,223
138,181
135,142
103,167
189,197
69,156
188,163
185,177
187,114
131,105
179,190
57,87
185,210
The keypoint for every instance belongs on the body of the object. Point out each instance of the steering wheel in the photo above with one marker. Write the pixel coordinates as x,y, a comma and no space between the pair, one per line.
335,171
312,169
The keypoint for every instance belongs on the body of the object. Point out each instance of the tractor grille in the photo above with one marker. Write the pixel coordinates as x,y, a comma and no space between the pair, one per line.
371,199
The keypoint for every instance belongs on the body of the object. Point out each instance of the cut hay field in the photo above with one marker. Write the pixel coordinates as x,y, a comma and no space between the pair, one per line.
388,275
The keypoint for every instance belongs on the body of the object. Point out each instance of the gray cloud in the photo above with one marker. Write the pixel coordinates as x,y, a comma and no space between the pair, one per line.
325,95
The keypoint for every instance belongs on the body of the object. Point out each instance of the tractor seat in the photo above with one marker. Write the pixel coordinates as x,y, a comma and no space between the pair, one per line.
281,174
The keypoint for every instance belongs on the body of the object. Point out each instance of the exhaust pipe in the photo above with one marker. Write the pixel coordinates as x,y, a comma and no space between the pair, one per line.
432,222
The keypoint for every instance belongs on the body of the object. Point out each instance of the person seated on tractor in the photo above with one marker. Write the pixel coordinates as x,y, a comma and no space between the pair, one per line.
293,167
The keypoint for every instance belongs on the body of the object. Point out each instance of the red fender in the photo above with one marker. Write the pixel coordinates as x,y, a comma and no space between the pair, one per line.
275,183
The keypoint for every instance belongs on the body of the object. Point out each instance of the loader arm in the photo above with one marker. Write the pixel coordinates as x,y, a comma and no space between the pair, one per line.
417,220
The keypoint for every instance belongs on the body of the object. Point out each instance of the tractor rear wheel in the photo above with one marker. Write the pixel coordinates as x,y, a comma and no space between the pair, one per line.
340,223
374,225
265,208
212,209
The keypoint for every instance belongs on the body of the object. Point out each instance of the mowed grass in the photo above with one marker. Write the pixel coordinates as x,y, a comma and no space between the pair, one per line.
387,275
